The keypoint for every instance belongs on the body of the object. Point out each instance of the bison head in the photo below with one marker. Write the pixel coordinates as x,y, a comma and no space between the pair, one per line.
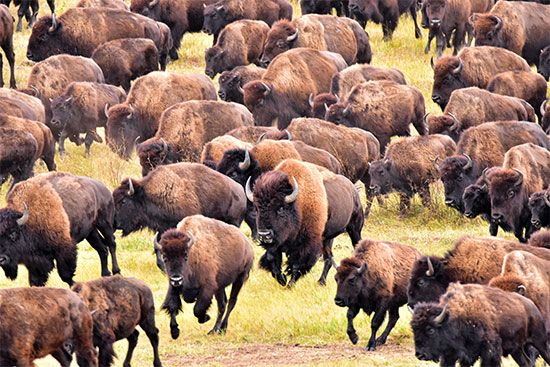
447,124
216,17
148,8
122,129
544,63
281,38
447,78
316,6
62,112
258,98
215,61
340,114
429,338
488,30
510,283
321,103
428,281
381,175
175,247
435,12
539,204
457,172
47,39
274,198
239,165
351,283
476,200
130,214
155,152
507,196
12,239
230,87
365,10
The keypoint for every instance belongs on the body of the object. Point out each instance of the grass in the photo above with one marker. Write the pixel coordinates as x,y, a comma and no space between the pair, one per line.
270,325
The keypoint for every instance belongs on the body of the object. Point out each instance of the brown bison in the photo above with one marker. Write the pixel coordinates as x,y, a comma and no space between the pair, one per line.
46,217
476,201
408,167
18,153
472,106
6,43
186,127
81,109
19,104
375,280
223,12
473,322
343,82
472,260
126,59
231,82
382,107
113,4
544,63
472,67
526,169
545,112
170,193
37,322
240,43
324,7
213,151
252,134
518,26
119,305
540,239
283,92
137,119
528,86
539,205
203,257
343,36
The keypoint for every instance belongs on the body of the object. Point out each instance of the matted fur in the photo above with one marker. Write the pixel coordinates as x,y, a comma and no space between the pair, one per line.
251,134
533,161
540,239
343,82
27,106
213,150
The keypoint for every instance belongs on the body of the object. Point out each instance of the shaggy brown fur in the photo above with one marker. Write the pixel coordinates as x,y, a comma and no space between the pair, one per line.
472,106
37,322
119,305
343,82
375,280
231,82
212,152
6,43
540,239
114,4
321,103
320,32
18,153
240,43
139,116
126,59
18,104
517,26
529,86
251,134
184,129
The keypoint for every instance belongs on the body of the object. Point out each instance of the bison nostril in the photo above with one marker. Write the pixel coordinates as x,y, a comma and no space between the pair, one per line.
436,98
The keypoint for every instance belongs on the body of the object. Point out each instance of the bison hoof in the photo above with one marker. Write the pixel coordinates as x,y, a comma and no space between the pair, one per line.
380,341
371,347
215,331
175,332
203,319
353,338
281,278
322,282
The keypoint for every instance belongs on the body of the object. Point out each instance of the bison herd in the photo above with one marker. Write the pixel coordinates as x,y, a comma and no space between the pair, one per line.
304,125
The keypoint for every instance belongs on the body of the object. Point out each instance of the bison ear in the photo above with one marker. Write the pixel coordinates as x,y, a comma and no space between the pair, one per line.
77,288
362,269
521,289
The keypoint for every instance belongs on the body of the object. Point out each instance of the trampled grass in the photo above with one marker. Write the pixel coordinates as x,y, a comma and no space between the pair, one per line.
270,325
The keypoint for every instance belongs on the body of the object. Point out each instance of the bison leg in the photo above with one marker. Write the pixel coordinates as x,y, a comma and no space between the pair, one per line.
66,266
88,141
393,316
352,334
328,259
369,193
97,244
425,196
523,359
172,305
35,7
51,4
355,226
106,353
376,322
64,134
221,299
404,203
493,228
518,232
106,230
272,261
250,220
39,271
204,300
132,343
459,38
63,357
21,12
235,290
417,31
148,325
10,56
440,43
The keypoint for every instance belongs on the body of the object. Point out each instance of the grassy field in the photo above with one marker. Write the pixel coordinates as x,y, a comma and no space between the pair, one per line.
271,325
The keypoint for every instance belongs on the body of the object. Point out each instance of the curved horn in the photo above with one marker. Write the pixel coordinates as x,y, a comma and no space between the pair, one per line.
547,198
106,110
459,67
131,191
261,138
436,162
484,174
36,91
425,118
468,164
191,240
288,134
432,63
153,3
455,124
131,114
267,89
248,191
292,37
240,89
498,21
54,24
520,179
441,317
292,197
164,145
543,108
69,99
521,289
347,110
430,272
156,243
244,165
311,100
25,217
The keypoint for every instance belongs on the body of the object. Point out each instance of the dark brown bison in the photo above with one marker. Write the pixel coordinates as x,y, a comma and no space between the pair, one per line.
219,14
343,36
186,127
539,205
321,103
19,104
526,170
81,109
203,257
382,107
213,151
126,59
472,260
343,82
408,167
473,322
472,106
119,305
137,119
170,193
37,322
6,43
113,4
324,7
544,63
476,201
540,239
283,92
231,82
46,217
518,26
239,43
528,86
472,67
18,153
375,280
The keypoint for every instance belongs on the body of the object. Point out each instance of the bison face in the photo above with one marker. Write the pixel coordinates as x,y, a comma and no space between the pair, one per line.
446,124
476,200
488,30
350,282
435,12
456,173
340,114
130,215
315,6
12,242
539,205
214,57
62,112
279,40
507,197
365,10
258,98
274,200
215,18
321,103
447,78
153,153
428,281
239,165
544,63
122,130
175,247
46,40
427,324
230,86
380,174
147,8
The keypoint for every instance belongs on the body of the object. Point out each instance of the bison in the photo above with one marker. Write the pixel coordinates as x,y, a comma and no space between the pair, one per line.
19,104
6,43
119,305
252,134
540,239
204,256
240,43
545,112
374,280
231,82
343,82
46,217
213,151
324,7
476,202
539,205
113,4
472,67
137,119
544,63
18,153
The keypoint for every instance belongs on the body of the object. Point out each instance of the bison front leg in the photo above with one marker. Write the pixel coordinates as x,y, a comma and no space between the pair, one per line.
493,228
132,343
272,261
64,134
376,322
417,31
88,140
221,300
328,260
352,334
39,271
201,306
393,316
172,306
96,242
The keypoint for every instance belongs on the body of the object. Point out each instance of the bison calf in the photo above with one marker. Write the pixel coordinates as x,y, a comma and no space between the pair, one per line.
231,82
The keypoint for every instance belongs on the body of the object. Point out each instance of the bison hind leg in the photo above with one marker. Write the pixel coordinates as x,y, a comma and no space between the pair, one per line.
221,300
328,260
148,325
132,343
235,290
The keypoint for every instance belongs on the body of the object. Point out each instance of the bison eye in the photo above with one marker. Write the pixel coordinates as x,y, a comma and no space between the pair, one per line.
351,280
430,331
460,178
43,38
511,194
421,283
281,211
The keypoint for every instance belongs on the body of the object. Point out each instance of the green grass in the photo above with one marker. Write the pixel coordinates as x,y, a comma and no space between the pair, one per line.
270,325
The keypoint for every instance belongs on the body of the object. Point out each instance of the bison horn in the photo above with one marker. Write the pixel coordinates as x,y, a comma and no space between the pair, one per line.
288,134
498,22
455,124
469,162
441,317
521,289
261,138
244,165
292,197
425,118
292,37
131,112
547,198
54,24
164,145
432,63
106,110
248,191
520,178
267,89
69,99
156,244
153,3
436,162
240,89
25,217
362,269
311,100
484,174
347,110
543,108
131,190
191,240
459,67
36,91
430,272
